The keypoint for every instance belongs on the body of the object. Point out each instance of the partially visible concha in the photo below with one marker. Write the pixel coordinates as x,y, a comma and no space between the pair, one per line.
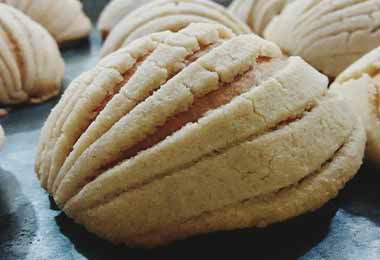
257,13
169,15
115,11
360,85
2,136
64,19
31,67
330,35
186,133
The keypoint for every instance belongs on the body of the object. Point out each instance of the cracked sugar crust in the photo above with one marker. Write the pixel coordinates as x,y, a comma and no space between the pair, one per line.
360,85
172,15
257,13
115,11
160,65
179,126
31,67
69,22
308,194
313,29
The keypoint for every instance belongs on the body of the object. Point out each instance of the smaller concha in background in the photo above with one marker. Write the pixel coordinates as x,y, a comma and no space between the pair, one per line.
115,11
31,67
64,19
360,85
169,15
257,13
330,35
2,136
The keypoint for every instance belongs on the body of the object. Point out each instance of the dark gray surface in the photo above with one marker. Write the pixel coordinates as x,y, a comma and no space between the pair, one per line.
31,227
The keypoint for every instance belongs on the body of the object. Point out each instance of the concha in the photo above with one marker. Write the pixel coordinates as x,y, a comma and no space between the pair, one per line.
64,19
360,85
2,136
31,67
115,11
189,132
330,35
257,13
173,15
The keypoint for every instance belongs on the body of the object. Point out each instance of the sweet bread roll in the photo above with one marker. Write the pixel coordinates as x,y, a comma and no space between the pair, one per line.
31,67
115,11
172,15
186,133
360,85
64,19
257,13
330,35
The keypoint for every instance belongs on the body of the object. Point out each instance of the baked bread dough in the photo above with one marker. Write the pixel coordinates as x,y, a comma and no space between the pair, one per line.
172,15
115,11
330,35
360,85
257,13
185,133
31,67
64,19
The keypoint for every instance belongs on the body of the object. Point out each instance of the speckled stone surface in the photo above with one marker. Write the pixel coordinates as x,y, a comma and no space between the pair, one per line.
31,227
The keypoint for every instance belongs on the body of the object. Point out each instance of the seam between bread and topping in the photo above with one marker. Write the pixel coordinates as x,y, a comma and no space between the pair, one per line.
131,151
263,197
95,112
57,118
189,59
339,153
69,108
168,173
134,67
58,124
46,129
203,48
99,171
134,71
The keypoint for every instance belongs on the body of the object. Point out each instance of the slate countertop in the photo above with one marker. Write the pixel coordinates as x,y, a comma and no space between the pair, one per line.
31,227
